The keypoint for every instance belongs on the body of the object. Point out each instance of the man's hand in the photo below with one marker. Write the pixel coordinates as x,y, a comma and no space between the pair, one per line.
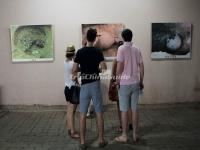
116,84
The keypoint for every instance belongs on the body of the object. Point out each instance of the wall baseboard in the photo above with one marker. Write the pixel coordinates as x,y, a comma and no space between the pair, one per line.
108,107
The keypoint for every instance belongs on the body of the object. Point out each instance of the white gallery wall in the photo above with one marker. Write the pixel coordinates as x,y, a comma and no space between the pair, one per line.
167,81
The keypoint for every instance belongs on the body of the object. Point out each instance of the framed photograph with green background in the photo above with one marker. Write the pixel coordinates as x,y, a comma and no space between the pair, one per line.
30,43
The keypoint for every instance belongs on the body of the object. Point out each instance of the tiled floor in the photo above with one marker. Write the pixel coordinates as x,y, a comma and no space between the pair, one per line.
162,127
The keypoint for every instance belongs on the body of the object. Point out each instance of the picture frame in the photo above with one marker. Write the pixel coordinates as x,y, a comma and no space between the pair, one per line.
31,43
171,41
109,38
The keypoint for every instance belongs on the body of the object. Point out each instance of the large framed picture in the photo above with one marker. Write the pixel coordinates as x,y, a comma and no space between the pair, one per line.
171,40
30,43
109,38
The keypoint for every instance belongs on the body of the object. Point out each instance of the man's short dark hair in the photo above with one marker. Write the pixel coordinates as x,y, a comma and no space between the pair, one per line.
127,35
91,35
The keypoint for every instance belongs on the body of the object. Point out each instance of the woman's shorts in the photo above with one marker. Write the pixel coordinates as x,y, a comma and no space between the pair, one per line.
68,94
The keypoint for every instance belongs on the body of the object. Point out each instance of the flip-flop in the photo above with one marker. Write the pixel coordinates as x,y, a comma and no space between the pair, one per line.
103,144
120,140
74,135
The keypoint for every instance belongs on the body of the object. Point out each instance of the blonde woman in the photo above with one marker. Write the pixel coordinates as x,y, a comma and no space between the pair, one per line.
71,106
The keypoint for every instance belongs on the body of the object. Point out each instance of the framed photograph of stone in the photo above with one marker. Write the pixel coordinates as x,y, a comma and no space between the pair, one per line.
31,43
109,38
171,40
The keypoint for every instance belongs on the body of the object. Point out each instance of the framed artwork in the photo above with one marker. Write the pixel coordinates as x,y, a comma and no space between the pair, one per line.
31,43
171,40
109,38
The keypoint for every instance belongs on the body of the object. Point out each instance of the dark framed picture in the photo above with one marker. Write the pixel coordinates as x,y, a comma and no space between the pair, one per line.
171,41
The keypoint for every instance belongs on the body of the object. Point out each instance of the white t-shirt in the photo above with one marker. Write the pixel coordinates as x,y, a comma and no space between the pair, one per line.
68,73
